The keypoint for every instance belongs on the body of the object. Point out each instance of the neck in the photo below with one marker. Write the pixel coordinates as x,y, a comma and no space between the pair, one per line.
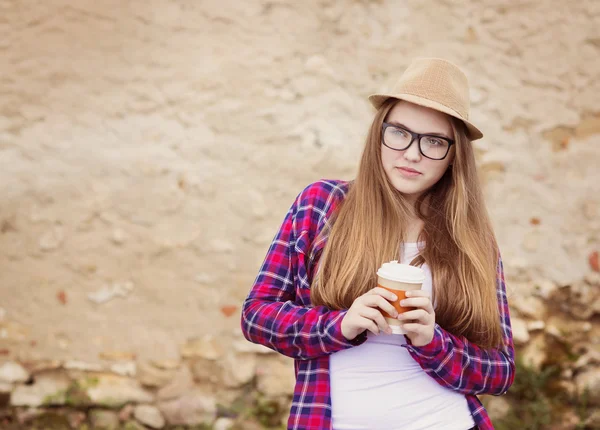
414,224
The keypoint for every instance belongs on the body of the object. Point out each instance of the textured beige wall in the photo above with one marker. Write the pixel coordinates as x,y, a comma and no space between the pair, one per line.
158,145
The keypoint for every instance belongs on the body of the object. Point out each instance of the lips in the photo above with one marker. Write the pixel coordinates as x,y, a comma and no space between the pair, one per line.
407,172
408,169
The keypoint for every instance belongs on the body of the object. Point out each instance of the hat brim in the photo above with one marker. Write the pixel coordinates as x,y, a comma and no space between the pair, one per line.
377,100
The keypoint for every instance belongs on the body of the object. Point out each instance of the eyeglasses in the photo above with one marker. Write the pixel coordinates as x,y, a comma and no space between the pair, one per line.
399,139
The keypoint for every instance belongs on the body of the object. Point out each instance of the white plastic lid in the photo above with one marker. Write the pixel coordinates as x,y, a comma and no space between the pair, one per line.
398,272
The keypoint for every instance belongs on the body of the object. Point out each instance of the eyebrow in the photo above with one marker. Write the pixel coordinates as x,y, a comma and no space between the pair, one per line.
429,134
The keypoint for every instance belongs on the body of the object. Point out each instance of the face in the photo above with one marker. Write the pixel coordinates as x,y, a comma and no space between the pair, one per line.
399,165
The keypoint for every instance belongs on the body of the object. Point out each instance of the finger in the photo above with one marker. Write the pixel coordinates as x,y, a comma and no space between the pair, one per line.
383,293
414,328
416,315
368,324
381,303
375,316
418,293
417,302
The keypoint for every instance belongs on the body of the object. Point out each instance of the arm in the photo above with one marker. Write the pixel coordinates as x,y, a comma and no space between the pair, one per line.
269,315
460,365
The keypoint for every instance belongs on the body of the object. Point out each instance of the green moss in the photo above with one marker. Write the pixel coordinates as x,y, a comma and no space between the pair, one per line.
76,396
251,408
89,382
267,412
57,398
50,421
538,399
582,408
194,427
531,408
110,403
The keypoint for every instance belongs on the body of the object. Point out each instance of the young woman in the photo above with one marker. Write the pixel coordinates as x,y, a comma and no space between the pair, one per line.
416,199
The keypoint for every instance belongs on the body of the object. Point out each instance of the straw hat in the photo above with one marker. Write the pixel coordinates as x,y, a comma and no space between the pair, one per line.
437,84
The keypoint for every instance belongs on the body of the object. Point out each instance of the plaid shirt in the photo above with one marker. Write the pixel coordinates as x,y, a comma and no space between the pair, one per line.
278,314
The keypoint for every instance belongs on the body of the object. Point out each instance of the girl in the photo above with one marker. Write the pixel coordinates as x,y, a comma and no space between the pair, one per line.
416,199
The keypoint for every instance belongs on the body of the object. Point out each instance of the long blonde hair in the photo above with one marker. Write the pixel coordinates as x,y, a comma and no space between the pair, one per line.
460,247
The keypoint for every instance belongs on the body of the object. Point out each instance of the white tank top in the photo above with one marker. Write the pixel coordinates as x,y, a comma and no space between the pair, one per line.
378,385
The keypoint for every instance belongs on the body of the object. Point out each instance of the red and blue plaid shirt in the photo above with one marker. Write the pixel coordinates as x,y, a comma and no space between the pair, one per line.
278,314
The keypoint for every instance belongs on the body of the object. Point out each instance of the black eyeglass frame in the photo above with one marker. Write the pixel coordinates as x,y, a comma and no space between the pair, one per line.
417,137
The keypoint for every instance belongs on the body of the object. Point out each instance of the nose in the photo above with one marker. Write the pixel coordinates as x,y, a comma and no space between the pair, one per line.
412,152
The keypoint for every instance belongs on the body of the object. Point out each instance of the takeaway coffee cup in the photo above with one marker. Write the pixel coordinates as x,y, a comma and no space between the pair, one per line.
399,278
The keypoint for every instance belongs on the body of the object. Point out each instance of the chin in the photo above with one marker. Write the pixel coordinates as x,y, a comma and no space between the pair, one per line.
406,189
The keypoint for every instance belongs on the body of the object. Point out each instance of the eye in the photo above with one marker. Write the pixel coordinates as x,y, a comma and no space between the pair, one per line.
399,131
436,142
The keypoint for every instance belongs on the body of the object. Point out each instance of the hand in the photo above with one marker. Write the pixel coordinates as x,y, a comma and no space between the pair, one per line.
421,321
364,315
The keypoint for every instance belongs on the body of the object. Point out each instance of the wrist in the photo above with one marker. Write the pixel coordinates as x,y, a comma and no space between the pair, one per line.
352,339
359,338
434,347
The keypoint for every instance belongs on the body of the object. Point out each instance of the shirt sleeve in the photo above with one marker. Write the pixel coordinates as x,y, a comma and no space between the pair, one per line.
460,365
270,316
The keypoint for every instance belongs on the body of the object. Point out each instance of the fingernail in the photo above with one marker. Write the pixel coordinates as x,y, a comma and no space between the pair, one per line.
394,298
403,303
408,294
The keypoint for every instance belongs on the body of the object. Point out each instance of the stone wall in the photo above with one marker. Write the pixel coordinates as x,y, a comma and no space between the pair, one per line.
150,150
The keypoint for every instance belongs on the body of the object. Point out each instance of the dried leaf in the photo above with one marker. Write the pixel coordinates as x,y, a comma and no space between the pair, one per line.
535,221
7,225
228,310
62,297
594,263
471,35
126,412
